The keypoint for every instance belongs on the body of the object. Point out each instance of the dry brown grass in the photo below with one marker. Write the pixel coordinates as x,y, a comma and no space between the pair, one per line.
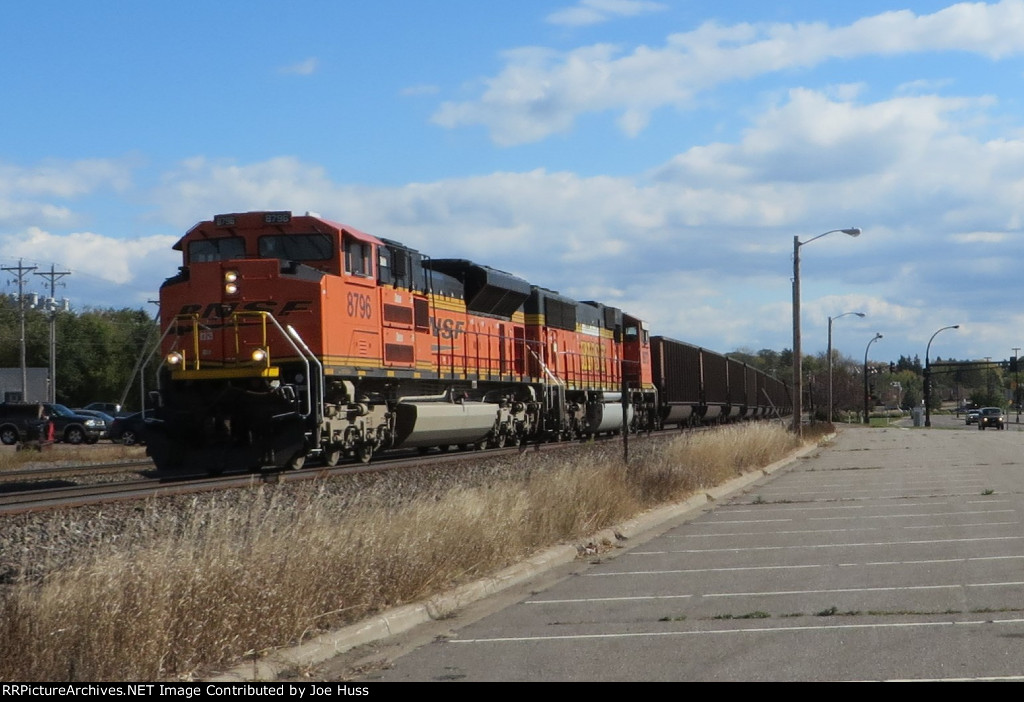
10,459
175,590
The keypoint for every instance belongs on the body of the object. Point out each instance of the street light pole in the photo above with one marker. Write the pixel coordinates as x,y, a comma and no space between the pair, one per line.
797,360
866,411
830,320
928,376
1016,380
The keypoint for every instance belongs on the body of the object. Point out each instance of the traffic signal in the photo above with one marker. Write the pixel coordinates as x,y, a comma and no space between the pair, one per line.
1013,364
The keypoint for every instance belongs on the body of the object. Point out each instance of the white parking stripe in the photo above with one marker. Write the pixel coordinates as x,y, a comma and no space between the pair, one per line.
752,630
952,586
926,561
919,542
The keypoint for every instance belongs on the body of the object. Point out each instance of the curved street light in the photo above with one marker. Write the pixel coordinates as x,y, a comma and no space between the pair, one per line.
797,360
928,376
830,320
866,410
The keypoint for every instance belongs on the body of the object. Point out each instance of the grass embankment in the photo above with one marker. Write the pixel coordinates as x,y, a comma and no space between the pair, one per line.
181,585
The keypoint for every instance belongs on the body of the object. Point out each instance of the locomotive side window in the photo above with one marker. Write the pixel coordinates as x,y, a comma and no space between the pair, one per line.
297,247
223,249
357,257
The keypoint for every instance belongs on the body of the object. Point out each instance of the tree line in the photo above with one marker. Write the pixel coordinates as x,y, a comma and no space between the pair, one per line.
97,350
894,384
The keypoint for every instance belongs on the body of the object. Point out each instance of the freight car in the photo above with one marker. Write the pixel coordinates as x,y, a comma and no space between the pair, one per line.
290,336
698,386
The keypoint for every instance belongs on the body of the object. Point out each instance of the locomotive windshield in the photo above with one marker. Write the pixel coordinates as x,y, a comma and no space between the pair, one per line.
223,249
297,247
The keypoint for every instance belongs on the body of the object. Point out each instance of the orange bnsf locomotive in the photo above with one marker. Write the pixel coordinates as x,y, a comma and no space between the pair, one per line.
292,336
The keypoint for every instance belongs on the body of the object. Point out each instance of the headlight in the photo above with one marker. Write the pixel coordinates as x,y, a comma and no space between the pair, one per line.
94,423
259,355
174,358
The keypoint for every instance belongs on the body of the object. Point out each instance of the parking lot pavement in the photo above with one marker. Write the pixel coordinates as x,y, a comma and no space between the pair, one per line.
892,554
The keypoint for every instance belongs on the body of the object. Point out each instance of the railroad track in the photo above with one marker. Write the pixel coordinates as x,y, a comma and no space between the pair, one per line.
33,490
70,470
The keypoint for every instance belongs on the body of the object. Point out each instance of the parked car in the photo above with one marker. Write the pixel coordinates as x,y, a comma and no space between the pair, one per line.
991,417
73,428
110,408
21,421
972,416
128,430
102,416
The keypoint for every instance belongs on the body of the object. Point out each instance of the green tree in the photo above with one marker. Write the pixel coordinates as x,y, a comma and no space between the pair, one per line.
96,349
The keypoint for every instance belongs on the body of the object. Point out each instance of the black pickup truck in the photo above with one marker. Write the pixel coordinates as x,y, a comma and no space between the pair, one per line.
21,422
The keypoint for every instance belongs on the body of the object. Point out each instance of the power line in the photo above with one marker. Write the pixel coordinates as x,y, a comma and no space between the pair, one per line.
51,307
21,271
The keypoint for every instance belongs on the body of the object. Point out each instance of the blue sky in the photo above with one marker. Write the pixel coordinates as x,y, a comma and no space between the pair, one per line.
655,155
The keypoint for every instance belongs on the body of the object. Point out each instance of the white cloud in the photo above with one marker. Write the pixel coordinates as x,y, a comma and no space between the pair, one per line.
113,260
541,92
587,12
979,238
66,179
42,195
202,187
941,208
302,68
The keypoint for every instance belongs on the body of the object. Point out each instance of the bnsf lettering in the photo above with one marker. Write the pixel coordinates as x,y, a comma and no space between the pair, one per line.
447,329
590,354
226,309
359,305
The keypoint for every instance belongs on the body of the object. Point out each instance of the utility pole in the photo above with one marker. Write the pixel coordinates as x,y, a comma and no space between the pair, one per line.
21,272
1016,380
51,308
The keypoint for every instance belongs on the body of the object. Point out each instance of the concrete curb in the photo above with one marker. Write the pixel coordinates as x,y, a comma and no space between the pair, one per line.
402,619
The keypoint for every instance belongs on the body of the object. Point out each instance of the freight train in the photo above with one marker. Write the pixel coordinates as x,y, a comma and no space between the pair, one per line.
287,337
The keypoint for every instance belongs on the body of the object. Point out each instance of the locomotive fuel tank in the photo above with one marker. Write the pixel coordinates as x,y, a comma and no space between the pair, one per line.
421,424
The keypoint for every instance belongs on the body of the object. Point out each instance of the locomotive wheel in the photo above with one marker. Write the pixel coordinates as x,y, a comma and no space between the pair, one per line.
365,453
297,461
443,448
332,457
499,442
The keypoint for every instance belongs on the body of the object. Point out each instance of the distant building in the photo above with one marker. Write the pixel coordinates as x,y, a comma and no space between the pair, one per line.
36,391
